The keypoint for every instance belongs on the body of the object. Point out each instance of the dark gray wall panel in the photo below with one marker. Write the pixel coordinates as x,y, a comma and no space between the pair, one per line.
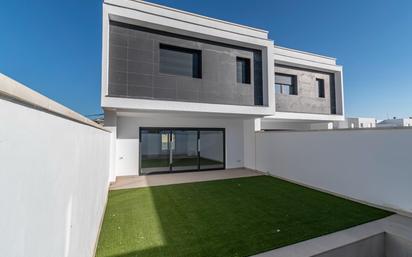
134,69
307,99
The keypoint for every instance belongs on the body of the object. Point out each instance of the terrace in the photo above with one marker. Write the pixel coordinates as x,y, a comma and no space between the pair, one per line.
247,214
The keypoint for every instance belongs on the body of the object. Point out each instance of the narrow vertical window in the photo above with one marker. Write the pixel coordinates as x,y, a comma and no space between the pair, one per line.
165,142
320,83
243,70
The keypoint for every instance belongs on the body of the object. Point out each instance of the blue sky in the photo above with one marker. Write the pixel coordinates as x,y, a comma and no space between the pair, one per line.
54,46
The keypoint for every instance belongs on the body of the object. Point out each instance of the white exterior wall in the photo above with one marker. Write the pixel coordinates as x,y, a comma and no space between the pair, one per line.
361,122
407,122
321,126
369,165
367,123
250,127
351,123
53,183
127,143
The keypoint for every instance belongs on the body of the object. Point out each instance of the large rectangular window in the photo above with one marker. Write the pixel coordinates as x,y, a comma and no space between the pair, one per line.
180,61
285,84
320,83
243,70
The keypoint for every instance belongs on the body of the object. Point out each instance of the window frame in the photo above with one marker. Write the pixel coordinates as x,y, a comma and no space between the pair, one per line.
293,88
196,69
320,84
247,79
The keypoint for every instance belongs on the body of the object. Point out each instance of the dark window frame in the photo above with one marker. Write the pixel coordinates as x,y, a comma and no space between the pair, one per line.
246,69
292,88
320,83
199,168
196,60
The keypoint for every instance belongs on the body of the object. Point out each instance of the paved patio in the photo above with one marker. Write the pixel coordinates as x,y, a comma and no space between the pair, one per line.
179,178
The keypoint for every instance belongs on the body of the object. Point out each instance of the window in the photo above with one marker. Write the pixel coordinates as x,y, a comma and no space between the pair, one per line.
180,61
285,84
243,70
165,142
320,83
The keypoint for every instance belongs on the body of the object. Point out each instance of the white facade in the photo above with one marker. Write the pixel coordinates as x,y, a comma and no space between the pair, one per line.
127,143
126,116
351,123
393,123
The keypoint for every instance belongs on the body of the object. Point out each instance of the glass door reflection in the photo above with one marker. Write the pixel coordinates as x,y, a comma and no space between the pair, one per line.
181,149
155,150
184,150
211,149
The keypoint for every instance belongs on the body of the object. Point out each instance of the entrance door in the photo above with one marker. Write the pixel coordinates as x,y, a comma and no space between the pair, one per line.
181,149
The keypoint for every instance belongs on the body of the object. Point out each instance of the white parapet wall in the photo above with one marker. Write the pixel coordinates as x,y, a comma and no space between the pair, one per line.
54,173
372,166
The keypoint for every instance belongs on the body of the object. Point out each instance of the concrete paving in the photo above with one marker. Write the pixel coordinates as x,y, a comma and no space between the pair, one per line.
179,178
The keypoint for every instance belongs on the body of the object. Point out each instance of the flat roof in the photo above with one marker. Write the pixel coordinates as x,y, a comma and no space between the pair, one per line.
303,52
170,9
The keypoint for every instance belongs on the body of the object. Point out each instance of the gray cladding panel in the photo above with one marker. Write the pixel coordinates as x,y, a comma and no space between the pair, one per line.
135,70
307,99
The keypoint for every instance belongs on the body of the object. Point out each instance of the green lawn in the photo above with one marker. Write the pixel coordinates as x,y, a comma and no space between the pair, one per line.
226,218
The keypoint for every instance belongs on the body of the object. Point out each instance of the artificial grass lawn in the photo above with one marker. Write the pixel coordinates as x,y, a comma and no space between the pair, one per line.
226,218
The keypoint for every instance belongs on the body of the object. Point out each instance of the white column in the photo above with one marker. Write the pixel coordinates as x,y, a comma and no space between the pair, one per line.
110,123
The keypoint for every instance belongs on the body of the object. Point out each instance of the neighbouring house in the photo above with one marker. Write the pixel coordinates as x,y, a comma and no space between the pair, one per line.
185,92
395,122
350,123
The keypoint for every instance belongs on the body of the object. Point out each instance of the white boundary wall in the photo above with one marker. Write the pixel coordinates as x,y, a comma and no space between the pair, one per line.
368,165
54,175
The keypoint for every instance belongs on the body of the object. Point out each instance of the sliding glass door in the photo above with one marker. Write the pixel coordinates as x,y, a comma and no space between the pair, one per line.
154,150
181,149
184,151
211,149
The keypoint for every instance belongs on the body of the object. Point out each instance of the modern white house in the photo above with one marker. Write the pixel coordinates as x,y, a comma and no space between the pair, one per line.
393,123
358,122
185,92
